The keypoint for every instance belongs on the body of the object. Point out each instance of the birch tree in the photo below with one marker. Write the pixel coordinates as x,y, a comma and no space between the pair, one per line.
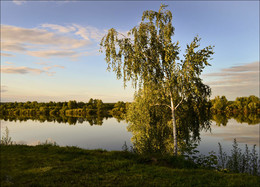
147,55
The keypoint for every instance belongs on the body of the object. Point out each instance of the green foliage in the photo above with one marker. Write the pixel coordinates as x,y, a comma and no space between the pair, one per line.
48,143
222,118
94,111
72,104
120,106
150,124
209,161
6,139
219,103
100,106
222,158
149,58
46,165
242,105
239,162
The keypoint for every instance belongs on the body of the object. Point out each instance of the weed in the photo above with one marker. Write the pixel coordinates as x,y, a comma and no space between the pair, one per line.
6,140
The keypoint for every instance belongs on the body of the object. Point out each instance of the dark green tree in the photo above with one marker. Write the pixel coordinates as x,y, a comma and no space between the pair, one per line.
219,104
72,104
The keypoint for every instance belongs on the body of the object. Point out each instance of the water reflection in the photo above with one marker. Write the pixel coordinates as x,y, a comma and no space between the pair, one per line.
70,119
250,119
155,134
152,137
111,135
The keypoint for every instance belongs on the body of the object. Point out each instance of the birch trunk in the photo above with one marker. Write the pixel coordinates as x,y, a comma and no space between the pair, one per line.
174,130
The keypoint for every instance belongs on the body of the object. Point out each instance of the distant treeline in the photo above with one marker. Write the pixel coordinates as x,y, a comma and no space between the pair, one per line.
70,108
71,120
242,105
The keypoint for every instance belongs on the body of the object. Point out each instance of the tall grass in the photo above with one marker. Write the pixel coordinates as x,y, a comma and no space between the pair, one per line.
6,139
238,161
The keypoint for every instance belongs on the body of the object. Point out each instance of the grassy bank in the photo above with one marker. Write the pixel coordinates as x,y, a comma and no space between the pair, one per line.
47,165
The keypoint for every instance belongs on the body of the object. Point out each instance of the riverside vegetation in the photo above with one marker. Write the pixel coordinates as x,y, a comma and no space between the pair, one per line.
243,109
48,164
171,106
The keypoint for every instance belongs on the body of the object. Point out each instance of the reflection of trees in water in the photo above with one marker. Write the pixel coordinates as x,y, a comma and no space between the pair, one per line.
250,119
71,120
220,119
156,136
152,129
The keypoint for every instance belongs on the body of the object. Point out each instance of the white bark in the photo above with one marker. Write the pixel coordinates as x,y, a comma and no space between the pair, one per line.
174,129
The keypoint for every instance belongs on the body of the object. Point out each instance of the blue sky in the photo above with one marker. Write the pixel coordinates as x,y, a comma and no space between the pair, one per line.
49,50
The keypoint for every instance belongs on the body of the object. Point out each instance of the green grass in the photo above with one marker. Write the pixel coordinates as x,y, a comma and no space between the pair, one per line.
46,165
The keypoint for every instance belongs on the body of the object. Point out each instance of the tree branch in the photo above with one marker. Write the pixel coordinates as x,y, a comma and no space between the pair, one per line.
163,105
179,103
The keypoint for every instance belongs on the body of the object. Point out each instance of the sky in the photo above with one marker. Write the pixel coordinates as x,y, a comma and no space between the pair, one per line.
50,49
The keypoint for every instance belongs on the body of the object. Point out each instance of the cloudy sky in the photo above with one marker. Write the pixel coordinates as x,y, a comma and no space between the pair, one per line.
50,50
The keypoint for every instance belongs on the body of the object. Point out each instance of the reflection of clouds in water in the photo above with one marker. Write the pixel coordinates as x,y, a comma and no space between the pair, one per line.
35,142
38,142
241,138
245,140
244,133
3,123
21,142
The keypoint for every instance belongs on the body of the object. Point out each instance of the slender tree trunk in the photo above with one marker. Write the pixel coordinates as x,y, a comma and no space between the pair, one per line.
174,131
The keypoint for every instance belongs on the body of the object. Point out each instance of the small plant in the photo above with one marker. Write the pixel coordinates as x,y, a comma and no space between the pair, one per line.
6,140
234,161
209,161
125,147
222,158
48,142
239,162
254,160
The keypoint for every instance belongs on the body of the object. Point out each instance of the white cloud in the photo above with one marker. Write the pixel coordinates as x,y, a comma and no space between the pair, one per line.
13,46
12,69
242,80
89,32
59,28
51,40
19,2
3,88
6,55
25,70
42,63
52,53
54,66
8,62
58,66
82,32
20,70
12,35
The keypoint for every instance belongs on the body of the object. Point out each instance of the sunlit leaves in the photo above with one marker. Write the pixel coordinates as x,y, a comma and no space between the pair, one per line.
149,58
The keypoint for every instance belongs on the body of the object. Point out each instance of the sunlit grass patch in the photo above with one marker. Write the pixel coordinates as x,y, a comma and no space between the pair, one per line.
48,165
39,170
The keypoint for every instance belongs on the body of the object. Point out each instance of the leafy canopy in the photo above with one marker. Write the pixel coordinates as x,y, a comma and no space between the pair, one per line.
148,54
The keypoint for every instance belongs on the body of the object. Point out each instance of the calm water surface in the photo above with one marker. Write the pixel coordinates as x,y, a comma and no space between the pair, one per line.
112,135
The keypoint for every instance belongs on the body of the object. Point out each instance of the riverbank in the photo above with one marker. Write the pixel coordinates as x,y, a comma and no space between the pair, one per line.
48,165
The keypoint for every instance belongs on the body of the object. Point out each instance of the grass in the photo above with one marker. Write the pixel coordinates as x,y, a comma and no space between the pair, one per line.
48,165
